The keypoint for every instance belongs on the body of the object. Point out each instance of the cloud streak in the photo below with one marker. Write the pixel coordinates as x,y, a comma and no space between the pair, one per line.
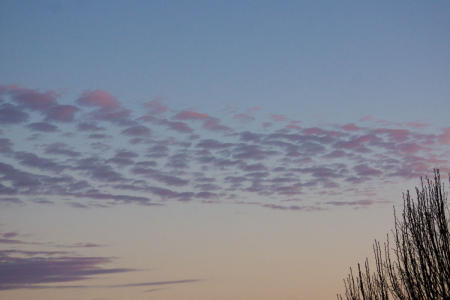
20,272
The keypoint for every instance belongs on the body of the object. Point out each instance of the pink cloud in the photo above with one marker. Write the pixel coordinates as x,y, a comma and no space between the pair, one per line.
387,123
99,98
320,131
415,166
156,106
417,124
254,109
294,125
62,113
213,124
278,118
366,118
6,88
395,134
244,117
356,142
410,148
351,127
191,115
444,138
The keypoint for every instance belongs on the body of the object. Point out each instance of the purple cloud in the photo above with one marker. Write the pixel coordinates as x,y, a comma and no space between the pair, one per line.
61,149
11,114
95,195
177,126
351,203
32,99
11,241
123,158
29,272
212,144
62,113
246,151
9,234
99,136
178,161
11,200
214,125
125,285
248,136
43,127
5,145
137,131
120,116
43,102
160,176
364,170
158,151
86,126
96,169
34,161
17,178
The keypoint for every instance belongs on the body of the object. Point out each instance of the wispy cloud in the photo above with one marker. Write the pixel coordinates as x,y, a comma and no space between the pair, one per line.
46,264
100,99
31,271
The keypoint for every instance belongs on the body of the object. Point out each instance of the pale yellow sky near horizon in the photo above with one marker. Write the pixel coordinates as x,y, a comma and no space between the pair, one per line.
236,251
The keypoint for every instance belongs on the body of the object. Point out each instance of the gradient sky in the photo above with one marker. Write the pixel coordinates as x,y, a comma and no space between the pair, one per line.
211,149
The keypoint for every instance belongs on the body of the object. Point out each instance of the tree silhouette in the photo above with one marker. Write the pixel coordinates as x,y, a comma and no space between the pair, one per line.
417,266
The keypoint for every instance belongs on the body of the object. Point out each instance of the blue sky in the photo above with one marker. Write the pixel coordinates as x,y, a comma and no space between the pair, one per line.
211,149
309,57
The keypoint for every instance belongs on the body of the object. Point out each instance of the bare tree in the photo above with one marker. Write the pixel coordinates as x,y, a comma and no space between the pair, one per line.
418,265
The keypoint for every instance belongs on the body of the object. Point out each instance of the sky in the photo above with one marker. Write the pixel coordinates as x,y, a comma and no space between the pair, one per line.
211,149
